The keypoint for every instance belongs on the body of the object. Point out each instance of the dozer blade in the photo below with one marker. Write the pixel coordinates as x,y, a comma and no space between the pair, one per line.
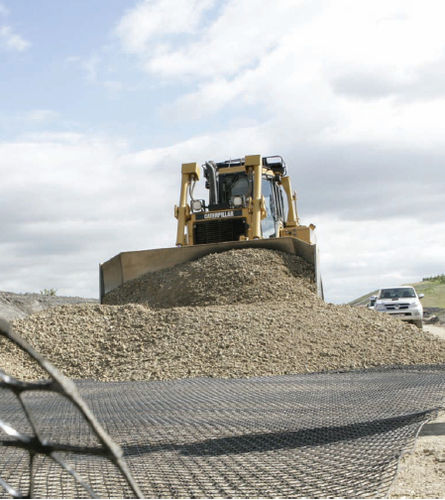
127,266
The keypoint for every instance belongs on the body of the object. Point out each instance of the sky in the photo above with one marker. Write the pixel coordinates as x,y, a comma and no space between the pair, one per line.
102,100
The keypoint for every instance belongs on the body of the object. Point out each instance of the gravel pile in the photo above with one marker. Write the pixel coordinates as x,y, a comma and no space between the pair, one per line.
269,321
245,276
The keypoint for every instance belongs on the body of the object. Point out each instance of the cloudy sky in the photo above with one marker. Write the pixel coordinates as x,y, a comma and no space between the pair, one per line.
102,100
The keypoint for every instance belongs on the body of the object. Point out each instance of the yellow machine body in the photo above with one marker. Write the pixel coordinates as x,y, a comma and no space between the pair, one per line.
246,208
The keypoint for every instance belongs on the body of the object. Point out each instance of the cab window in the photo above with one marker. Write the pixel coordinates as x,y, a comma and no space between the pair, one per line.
268,224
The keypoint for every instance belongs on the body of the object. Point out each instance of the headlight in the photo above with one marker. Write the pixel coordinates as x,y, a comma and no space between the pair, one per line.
196,205
237,201
413,305
380,307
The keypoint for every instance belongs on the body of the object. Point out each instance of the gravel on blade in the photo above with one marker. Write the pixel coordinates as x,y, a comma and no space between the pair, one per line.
237,276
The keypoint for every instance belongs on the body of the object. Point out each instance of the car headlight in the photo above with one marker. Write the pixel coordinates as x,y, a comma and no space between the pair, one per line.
237,201
413,305
196,205
379,307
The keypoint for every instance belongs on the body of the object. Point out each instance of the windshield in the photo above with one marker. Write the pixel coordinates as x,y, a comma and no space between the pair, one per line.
268,223
232,185
397,293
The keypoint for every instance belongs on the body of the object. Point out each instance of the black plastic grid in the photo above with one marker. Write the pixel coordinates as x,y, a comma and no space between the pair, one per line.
31,451
315,435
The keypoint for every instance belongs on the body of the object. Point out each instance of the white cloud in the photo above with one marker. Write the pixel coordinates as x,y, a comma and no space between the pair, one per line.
414,123
358,257
11,40
69,201
153,18
315,62
241,34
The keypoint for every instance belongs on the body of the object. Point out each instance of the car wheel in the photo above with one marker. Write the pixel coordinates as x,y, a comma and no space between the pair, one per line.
419,324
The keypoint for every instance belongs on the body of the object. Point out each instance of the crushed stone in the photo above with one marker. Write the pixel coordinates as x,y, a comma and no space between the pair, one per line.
245,276
240,313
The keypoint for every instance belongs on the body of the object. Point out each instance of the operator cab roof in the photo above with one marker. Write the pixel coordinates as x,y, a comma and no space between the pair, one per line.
275,163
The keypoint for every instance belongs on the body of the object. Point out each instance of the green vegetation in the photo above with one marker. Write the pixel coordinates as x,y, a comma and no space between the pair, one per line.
440,278
48,291
434,291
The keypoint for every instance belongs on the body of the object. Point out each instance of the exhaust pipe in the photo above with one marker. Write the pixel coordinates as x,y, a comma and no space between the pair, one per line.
210,175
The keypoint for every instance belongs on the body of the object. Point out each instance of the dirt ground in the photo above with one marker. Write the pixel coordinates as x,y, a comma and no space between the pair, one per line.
436,330
422,470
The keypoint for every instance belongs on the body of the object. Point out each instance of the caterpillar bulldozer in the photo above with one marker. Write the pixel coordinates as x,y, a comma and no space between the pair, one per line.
250,204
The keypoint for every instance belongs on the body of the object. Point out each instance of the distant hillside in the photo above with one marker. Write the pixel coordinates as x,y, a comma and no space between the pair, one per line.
363,300
433,289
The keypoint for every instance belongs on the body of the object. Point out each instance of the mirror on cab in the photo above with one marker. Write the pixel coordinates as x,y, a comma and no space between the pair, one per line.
421,295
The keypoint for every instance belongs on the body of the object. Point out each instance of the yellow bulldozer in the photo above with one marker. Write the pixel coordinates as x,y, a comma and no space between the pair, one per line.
250,204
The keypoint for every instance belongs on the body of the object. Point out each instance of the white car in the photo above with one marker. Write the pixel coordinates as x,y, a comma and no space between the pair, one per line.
401,302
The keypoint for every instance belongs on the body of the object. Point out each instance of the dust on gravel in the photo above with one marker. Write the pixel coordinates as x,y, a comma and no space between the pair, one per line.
235,314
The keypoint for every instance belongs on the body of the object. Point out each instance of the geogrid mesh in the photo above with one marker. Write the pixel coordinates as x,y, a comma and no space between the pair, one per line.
315,435
33,448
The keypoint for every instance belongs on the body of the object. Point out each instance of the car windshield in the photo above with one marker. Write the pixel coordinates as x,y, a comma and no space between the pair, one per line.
396,293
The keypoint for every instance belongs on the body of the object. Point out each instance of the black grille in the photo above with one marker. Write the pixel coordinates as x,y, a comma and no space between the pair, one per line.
216,231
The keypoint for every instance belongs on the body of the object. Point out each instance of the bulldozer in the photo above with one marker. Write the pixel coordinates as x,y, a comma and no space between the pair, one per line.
250,204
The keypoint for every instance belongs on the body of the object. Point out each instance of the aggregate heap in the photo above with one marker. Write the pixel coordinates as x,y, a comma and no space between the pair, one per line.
240,313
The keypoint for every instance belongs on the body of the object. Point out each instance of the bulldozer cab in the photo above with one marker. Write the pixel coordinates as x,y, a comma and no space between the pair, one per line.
234,189
249,198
